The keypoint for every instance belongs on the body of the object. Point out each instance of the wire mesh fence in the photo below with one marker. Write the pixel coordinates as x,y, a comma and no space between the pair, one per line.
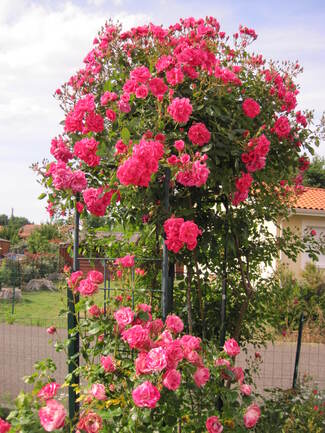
25,340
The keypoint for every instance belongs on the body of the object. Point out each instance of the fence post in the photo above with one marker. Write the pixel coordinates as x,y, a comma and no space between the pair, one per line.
295,373
73,347
224,281
167,268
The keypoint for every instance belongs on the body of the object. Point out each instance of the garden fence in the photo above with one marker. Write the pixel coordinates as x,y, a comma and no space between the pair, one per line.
24,341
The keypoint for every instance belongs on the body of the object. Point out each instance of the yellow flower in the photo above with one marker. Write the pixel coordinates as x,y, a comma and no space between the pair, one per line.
229,423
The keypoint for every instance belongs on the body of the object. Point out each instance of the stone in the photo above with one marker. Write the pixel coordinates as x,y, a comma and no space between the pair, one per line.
55,276
7,293
38,284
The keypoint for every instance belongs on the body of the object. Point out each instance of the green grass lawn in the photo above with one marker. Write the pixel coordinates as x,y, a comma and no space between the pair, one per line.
39,308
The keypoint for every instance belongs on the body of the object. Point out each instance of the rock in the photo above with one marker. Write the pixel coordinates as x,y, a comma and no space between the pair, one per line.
36,285
55,276
7,293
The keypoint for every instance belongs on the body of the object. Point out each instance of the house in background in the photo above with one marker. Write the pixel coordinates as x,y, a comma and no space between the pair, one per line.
308,215
26,230
4,247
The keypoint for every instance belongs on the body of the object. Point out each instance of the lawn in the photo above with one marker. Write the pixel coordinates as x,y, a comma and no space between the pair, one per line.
39,308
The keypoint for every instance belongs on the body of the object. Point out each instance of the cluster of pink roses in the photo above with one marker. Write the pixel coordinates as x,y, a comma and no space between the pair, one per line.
180,233
243,184
97,200
162,355
86,149
138,169
66,179
52,415
255,158
83,118
159,352
87,286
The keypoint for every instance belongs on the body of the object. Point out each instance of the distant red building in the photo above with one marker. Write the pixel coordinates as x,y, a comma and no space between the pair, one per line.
4,247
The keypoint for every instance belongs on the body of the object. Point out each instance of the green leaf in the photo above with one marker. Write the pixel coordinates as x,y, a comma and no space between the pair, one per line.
43,195
125,135
108,86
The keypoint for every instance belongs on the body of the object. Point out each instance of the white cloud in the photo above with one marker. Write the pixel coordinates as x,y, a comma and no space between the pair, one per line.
39,49
42,45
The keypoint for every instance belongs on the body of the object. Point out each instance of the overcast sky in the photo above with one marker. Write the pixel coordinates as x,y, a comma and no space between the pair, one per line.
42,43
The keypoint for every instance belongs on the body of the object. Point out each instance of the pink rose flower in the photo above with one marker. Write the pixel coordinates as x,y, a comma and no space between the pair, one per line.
146,395
111,115
199,134
231,347
172,379
201,376
221,362
140,74
95,277
107,363
282,127
179,145
52,416
91,422
180,109
137,337
251,108
4,426
239,374
156,359
245,389
174,324
158,87
174,354
213,425
51,330
124,316
87,287
79,206
141,92
252,415
98,391
126,261
188,234
74,279
94,311
48,391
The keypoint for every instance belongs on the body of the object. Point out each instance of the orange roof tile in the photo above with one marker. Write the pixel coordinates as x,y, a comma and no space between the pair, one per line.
311,198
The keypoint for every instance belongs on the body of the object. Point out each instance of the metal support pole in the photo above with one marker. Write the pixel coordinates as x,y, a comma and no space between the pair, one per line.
73,347
224,280
167,268
295,373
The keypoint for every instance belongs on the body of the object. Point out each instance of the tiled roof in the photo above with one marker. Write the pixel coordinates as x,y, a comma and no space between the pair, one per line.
26,230
311,198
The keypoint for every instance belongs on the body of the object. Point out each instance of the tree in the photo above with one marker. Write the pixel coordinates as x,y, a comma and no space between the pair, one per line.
315,175
199,139
38,241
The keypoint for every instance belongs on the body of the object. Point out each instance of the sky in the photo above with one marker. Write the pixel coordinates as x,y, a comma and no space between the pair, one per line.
42,43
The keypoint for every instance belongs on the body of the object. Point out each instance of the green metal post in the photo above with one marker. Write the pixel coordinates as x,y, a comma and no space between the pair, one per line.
167,268
224,281
298,350
73,337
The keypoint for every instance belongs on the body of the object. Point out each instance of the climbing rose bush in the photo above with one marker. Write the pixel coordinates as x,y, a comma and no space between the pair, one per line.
187,102
138,374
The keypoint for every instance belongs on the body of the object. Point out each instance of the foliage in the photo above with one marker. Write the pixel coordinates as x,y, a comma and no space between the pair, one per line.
112,353
293,411
38,241
315,175
186,112
11,228
300,295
